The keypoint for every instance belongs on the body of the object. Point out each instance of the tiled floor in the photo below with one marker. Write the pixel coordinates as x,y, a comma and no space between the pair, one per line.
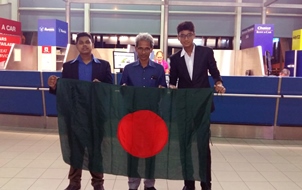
31,159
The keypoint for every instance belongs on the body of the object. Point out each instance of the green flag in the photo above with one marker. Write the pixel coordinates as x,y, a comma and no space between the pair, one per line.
134,131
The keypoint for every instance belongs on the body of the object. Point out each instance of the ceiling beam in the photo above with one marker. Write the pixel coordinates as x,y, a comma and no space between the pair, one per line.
119,2
269,2
286,6
214,4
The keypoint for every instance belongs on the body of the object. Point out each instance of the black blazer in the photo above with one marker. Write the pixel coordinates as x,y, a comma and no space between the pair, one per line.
204,62
100,71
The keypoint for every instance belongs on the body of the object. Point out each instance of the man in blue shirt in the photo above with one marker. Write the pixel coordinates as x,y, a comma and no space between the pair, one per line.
143,73
88,68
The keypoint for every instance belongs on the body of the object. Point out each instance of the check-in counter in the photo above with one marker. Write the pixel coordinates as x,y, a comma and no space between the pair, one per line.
20,94
248,101
253,107
290,105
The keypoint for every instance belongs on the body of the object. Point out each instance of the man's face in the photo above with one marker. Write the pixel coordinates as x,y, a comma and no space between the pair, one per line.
143,50
186,38
84,45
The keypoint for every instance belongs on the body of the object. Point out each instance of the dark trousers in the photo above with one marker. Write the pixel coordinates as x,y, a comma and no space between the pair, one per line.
133,166
185,146
75,175
205,185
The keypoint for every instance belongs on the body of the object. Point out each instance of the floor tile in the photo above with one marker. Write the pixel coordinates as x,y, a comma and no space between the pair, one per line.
33,161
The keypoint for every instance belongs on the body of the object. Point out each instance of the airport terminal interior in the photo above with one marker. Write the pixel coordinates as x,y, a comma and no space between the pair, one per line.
256,128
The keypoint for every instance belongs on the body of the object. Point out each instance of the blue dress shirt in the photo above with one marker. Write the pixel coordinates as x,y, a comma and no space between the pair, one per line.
152,75
85,70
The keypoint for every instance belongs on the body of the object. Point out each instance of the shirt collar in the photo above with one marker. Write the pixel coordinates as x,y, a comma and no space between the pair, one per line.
151,63
183,52
80,59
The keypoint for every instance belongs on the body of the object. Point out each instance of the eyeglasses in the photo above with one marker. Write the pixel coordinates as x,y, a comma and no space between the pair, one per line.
140,49
184,36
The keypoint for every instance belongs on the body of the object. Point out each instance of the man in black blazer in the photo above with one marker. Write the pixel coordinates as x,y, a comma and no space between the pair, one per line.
88,68
189,69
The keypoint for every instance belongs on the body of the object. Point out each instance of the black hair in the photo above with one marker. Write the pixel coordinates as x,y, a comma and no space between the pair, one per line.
82,34
186,25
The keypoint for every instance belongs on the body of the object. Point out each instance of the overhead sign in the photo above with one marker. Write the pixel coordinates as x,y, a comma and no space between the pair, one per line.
52,32
10,27
258,35
297,40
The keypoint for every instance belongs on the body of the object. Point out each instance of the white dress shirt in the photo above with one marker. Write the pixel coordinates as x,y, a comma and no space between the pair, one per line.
189,60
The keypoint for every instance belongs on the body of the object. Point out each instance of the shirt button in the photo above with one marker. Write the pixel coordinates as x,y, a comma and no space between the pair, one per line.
144,86
144,78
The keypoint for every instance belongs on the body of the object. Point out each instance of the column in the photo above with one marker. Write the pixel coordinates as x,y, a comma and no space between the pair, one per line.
263,14
67,9
87,17
164,28
237,30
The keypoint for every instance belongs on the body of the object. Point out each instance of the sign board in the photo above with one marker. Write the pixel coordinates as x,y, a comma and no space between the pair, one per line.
46,49
6,42
297,40
10,27
52,32
258,35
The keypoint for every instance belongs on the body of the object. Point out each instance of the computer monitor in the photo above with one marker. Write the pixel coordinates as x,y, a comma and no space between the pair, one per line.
121,59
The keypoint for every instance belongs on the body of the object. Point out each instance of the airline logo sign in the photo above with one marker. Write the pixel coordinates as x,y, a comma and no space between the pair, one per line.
297,41
46,49
46,29
60,30
10,27
264,30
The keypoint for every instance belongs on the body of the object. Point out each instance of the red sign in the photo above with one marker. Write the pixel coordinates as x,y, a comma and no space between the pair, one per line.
4,51
6,42
10,27
46,49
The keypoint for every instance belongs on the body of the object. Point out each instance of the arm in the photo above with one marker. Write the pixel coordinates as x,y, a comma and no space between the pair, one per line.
215,74
165,64
53,79
52,83
162,78
124,79
213,70
173,71
108,78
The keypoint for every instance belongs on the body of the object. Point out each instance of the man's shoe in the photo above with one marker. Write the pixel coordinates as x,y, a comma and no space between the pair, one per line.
98,187
205,186
149,188
73,187
188,188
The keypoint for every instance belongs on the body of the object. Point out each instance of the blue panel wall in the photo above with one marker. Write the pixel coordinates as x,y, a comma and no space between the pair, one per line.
13,101
20,78
290,109
246,110
23,102
232,108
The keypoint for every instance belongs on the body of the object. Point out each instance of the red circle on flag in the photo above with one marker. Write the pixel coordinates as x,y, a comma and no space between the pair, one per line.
143,133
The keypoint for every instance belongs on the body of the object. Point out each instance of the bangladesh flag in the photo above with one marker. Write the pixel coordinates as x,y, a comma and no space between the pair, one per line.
134,131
